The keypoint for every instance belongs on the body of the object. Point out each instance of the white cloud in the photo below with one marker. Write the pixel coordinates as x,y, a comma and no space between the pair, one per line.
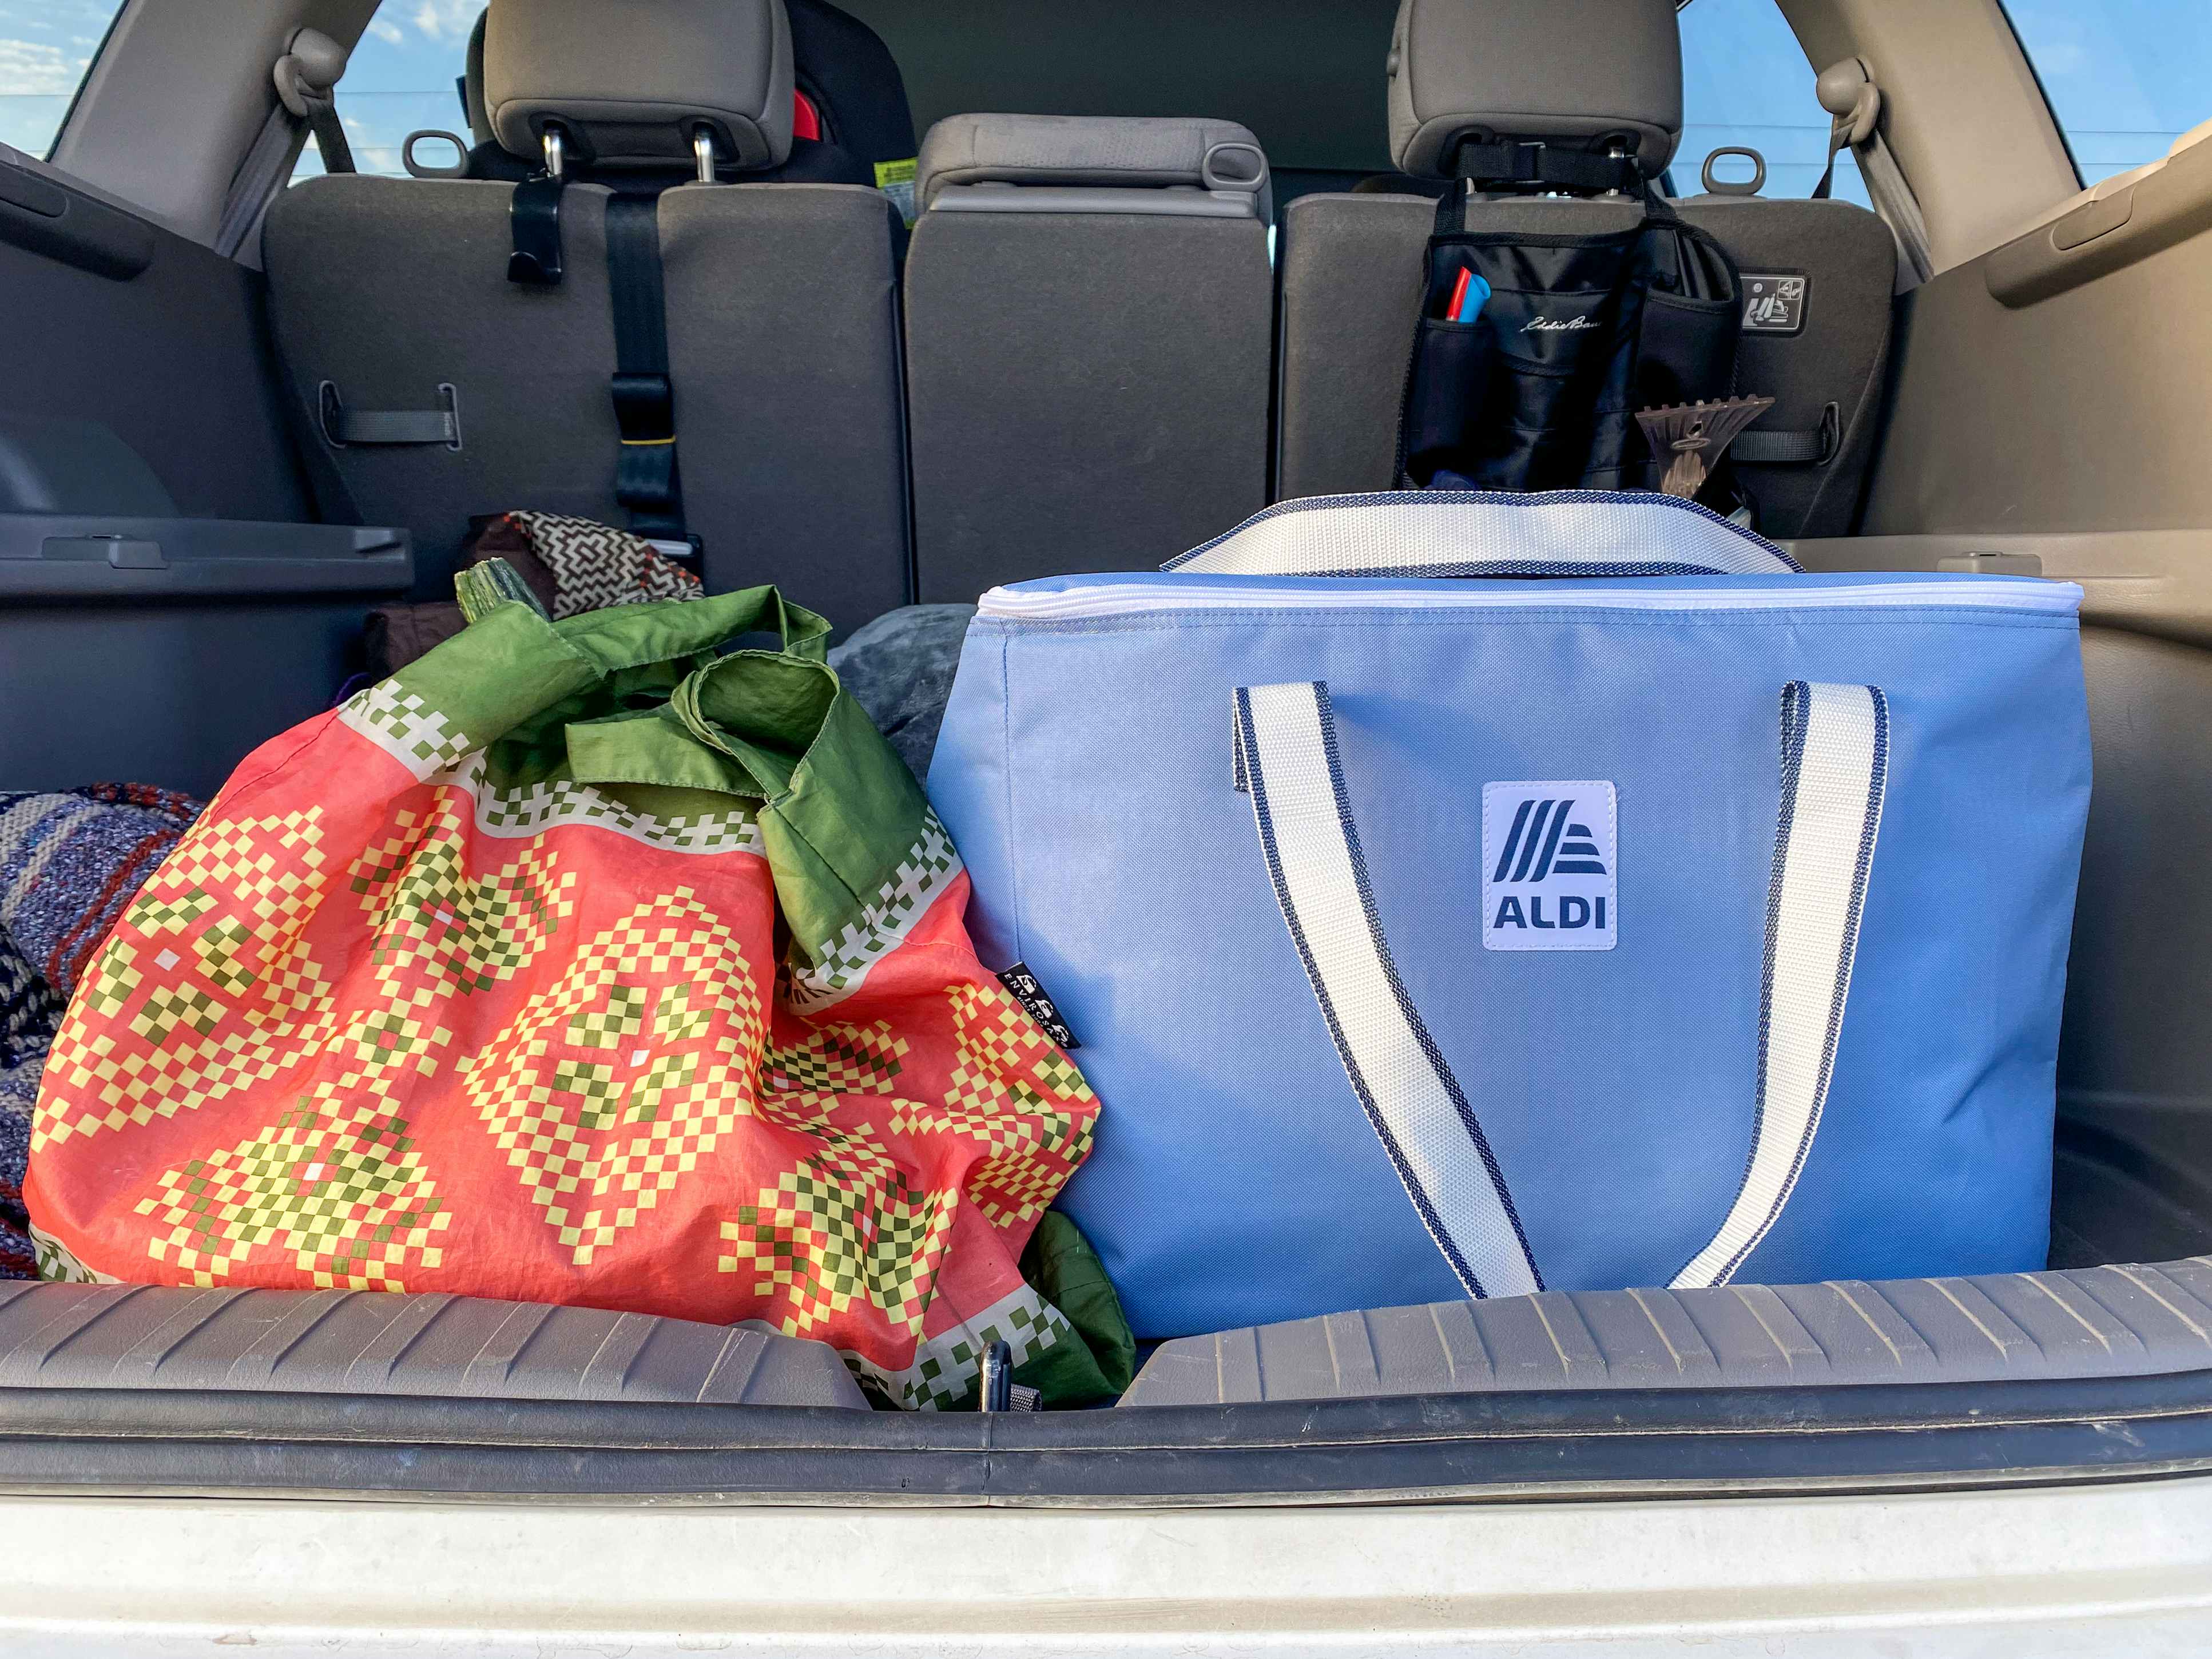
447,19
387,31
30,67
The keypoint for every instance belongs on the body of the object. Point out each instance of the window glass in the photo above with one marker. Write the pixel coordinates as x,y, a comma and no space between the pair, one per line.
403,76
45,48
2124,78
1745,81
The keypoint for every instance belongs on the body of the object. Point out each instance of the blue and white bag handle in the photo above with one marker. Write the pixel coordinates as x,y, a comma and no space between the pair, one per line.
1835,751
1471,532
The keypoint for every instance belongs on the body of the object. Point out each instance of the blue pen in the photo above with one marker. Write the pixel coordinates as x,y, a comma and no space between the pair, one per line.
1471,298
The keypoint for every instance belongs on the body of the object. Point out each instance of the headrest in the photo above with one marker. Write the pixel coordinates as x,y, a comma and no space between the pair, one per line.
1579,73
1129,151
472,100
629,81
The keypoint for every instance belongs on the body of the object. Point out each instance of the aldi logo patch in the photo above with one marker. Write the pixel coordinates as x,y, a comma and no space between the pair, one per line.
1550,866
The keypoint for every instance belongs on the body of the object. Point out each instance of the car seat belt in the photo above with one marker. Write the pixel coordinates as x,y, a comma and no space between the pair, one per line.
307,80
646,479
1847,91
305,76
1787,447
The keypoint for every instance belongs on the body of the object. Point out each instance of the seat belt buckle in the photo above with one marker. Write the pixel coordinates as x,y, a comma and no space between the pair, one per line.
645,408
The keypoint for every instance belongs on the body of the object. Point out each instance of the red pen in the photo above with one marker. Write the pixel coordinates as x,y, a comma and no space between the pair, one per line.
1459,294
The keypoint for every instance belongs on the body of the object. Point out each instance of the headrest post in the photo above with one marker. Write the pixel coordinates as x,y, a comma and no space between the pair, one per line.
631,106
554,159
1597,83
702,152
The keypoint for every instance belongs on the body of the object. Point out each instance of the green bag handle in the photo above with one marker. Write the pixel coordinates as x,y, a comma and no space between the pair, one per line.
623,636
515,675
838,813
670,630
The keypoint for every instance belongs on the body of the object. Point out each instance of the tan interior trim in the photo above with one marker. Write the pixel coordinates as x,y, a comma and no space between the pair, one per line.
2151,582
1959,108
179,95
2123,220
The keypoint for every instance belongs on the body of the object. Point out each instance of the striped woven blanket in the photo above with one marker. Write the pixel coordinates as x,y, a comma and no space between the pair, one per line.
69,863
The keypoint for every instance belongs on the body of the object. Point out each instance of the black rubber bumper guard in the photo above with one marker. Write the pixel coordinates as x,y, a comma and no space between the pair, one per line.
1583,1444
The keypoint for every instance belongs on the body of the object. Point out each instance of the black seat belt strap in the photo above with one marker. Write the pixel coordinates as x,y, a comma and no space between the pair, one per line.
306,77
1837,132
645,401
1532,167
1785,448
345,426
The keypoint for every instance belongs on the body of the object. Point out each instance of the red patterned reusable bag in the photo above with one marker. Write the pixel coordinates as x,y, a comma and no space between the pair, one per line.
474,984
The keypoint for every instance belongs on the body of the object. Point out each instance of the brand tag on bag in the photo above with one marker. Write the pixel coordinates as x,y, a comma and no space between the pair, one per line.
1031,994
1549,879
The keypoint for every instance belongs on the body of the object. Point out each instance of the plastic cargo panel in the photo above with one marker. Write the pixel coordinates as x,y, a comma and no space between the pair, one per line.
369,1342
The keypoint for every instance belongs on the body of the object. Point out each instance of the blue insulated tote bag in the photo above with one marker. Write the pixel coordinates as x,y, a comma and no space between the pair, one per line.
1647,911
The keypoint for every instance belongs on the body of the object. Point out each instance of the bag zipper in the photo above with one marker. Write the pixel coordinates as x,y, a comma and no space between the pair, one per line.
1138,599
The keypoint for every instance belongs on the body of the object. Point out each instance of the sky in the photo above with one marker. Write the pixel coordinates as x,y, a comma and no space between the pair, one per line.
2125,77
46,46
1745,81
401,80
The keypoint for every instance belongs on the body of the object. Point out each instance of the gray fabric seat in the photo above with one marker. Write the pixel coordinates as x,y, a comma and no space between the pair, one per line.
1352,264
1088,305
781,303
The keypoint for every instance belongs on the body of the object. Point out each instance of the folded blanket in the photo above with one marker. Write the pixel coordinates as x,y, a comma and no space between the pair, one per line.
899,668
573,565
69,863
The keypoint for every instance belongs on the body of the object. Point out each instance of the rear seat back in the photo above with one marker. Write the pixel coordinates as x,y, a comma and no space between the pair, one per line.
780,306
1087,303
1352,264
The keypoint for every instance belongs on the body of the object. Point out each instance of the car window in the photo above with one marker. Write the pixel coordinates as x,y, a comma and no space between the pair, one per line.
403,76
2124,78
46,48
1746,80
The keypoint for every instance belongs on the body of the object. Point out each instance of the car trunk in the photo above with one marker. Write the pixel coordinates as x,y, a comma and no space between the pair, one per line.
2051,427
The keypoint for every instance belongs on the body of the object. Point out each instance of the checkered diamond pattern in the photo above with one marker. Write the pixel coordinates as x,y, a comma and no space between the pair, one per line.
1019,1096
342,1190
526,810
236,1005
405,727
947,1365
435,1039
838,1059
841,1227
467,932
627,1073
927,871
